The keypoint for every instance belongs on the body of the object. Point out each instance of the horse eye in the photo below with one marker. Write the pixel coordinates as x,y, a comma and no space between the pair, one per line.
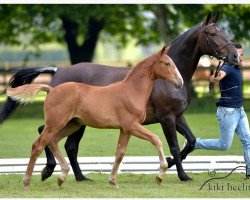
213,34
167,64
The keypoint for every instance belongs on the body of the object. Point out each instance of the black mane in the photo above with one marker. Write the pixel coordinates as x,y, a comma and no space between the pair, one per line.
184,34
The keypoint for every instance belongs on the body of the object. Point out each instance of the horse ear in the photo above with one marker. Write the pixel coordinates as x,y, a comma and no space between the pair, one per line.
208,18
163,49
215,18
167,49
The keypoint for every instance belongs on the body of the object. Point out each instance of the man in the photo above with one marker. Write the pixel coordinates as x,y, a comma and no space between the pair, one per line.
230,112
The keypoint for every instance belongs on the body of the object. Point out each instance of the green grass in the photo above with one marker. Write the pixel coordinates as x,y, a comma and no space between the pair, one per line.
17,136
130,186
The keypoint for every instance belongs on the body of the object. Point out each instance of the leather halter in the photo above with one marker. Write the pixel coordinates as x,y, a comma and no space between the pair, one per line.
208,42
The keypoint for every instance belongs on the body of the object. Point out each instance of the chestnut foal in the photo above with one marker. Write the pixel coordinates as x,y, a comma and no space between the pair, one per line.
121,105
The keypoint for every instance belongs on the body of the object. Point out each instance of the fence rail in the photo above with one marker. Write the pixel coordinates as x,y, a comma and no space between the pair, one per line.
130,164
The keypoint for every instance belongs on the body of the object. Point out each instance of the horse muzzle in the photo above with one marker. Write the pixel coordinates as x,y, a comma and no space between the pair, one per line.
233,59
178,84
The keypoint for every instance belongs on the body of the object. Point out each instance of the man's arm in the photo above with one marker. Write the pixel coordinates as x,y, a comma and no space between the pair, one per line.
220,76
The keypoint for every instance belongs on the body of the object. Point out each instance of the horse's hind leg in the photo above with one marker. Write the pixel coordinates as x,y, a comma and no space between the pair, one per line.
139,131
71,147
67,130
120,151
37,149
51,162
183,128
168,124
63,163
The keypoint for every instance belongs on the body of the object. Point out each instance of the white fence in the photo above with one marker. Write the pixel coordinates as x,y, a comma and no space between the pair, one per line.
131,164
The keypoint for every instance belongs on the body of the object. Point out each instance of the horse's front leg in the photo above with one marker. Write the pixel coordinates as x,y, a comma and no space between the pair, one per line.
51,162
169,129
120,151
183,128
71,147
139,131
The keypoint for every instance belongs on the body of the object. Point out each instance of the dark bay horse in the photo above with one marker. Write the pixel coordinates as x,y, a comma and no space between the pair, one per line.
122,106
165,105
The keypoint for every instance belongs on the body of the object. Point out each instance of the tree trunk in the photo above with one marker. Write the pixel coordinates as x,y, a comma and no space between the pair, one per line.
160,12
85,51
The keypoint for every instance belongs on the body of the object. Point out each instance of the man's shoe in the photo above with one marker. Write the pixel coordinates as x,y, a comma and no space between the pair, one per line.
247,173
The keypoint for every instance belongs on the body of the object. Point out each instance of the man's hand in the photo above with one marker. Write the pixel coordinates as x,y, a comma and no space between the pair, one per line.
220,76
212,79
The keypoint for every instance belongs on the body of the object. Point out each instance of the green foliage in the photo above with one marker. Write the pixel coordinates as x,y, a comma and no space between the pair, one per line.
35,24
234,19
42,23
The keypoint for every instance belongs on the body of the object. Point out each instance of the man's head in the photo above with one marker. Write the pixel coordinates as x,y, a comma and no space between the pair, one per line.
240,52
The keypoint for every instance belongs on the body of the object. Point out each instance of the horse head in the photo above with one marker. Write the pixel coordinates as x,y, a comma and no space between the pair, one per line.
166,69
214,42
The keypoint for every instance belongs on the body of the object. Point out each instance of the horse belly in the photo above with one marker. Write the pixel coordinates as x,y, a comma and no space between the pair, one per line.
98,116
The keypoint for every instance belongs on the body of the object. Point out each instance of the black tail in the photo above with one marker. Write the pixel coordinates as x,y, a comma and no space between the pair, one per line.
23,76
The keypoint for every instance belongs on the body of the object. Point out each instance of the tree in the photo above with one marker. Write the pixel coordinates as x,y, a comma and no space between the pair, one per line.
173,19
80,26
77,25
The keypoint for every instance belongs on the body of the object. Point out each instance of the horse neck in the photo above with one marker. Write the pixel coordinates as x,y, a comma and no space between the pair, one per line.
141,78
186,54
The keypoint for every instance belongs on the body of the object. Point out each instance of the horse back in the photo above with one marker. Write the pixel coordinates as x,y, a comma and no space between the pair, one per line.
89,73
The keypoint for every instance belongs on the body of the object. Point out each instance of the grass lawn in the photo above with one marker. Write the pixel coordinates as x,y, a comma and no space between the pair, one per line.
17,136
130,186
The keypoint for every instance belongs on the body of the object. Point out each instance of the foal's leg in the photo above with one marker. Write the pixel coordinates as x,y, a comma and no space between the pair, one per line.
37,149
63,163
139,131
71,147
51,162
120,151
50,133
71,127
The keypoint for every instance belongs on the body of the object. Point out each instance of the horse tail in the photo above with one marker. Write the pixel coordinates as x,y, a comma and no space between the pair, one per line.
21,77
26,93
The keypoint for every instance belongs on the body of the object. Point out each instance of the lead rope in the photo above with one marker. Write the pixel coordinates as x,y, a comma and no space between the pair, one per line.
211,85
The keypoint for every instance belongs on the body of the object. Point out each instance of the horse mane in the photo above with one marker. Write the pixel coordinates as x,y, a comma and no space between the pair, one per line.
185,33
136,67
150,58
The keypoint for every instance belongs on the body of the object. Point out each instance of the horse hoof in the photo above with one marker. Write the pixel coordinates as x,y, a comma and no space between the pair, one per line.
185,178
60,181
158,180
114,184
170,162
26,186
83,179
46,173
